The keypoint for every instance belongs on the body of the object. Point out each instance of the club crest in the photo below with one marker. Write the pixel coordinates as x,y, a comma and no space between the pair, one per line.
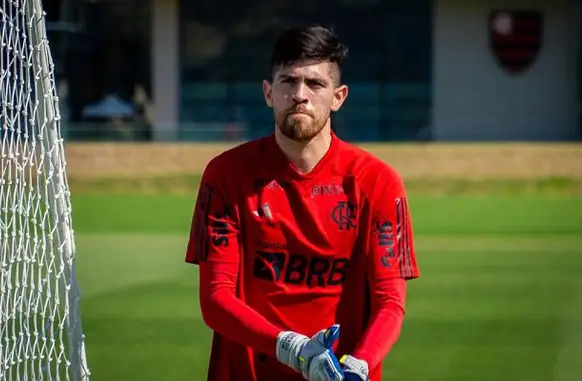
515,38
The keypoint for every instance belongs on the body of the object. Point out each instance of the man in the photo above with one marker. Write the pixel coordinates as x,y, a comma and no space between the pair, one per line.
300,235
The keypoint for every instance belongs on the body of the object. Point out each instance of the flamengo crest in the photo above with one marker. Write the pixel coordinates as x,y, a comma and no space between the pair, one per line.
515,38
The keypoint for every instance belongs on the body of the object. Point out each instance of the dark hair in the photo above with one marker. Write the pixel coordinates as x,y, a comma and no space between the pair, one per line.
308,42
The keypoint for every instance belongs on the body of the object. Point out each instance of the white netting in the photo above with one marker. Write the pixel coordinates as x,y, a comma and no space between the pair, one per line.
40,328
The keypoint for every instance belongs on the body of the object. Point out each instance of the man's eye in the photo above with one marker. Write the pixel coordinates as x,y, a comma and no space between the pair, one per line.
315,84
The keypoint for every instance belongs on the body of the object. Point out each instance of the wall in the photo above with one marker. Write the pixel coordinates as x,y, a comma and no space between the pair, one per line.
165,68
474,99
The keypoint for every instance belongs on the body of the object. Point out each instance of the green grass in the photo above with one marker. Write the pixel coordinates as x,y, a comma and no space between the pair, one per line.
184,184
499,298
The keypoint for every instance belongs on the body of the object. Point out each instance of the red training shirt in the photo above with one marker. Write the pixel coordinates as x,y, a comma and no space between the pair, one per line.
279,250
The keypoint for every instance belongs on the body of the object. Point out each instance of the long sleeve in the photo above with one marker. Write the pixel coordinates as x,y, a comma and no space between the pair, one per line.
385,323
214,245
391,262
226,314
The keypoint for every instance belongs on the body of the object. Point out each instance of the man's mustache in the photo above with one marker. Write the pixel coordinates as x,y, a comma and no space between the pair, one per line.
299,110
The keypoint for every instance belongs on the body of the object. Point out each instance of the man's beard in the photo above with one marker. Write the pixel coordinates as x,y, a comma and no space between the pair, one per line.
300,130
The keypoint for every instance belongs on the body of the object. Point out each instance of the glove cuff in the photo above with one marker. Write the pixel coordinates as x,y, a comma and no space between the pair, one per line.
289,345
355,365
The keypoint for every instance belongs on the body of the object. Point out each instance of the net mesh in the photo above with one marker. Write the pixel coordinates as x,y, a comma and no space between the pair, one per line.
40,331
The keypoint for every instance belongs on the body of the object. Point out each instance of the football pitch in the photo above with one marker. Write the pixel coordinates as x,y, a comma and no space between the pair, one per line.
499,298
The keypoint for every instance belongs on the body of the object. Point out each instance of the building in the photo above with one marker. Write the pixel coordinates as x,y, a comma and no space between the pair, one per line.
420,70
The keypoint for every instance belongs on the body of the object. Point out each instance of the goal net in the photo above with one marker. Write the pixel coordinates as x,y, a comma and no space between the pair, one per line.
40,322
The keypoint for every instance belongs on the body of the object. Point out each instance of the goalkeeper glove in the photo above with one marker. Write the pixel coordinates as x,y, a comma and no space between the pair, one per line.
311,357
354,369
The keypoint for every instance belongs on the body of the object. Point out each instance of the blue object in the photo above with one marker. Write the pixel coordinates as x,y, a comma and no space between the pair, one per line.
110,107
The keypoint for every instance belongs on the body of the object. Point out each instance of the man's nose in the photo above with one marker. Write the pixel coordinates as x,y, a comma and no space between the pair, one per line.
300,93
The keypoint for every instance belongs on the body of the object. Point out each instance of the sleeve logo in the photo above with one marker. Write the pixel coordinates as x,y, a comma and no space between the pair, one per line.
385,234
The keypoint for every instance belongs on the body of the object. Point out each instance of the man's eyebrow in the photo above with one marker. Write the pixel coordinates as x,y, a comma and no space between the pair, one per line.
286,76
317,78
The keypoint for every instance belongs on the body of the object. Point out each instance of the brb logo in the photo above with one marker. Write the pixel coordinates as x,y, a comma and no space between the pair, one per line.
300,269
344,215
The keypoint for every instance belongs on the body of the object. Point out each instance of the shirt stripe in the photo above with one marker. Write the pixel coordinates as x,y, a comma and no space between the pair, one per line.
403,235
201,234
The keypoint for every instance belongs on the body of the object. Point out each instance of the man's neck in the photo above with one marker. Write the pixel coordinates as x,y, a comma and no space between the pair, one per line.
305,155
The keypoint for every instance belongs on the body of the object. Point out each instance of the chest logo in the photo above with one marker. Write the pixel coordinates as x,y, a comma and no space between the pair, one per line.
345,214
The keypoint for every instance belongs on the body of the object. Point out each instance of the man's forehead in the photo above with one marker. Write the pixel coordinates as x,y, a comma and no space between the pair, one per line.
307,69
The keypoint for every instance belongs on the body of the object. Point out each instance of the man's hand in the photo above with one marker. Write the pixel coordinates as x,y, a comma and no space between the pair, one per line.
312,357
354,369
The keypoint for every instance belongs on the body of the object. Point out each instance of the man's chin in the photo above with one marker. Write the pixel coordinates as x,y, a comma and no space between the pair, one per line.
298,134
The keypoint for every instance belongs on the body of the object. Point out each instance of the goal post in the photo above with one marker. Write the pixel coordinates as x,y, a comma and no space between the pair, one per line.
41,336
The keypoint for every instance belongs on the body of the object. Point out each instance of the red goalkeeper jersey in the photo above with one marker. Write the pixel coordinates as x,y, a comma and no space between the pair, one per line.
279,250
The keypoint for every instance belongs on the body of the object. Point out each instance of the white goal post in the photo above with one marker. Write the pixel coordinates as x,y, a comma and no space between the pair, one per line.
41,337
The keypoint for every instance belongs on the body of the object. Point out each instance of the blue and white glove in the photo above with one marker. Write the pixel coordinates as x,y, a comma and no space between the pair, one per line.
313,358
355,369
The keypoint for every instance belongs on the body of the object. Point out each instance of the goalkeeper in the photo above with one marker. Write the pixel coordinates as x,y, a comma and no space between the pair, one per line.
304,241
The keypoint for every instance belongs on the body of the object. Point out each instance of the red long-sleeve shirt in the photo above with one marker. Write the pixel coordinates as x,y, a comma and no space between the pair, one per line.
279,250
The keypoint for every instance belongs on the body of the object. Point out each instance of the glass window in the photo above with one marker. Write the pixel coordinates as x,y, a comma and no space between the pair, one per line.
225,56
94,60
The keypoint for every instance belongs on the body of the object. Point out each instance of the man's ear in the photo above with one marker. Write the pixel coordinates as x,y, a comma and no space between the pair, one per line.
268,92
340,95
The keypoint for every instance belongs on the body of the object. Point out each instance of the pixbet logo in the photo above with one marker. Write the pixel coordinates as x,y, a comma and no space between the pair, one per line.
326,190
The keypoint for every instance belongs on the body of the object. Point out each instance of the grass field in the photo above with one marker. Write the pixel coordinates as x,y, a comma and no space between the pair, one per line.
499,298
